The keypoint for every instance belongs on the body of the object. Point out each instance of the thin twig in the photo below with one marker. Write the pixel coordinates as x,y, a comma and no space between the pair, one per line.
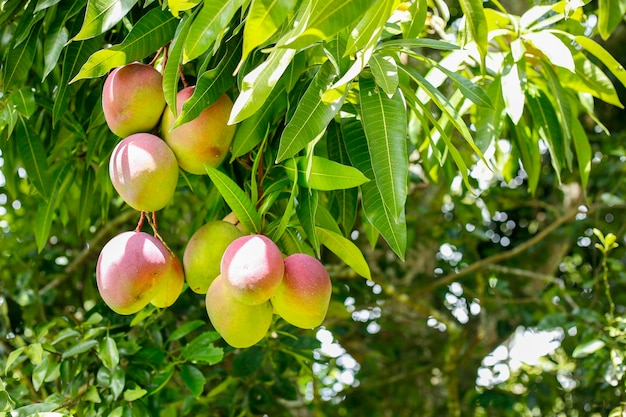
567,217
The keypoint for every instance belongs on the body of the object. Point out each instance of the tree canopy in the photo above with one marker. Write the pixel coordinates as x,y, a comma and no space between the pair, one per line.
457,166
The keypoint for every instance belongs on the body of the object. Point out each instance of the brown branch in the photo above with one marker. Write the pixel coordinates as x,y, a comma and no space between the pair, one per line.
92,246
567,217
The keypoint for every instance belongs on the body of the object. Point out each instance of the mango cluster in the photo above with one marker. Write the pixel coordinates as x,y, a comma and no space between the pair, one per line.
255,281
244,278
135,268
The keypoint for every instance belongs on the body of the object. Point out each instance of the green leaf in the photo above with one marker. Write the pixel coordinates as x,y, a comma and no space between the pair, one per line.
108,353
610,14
512,89
255,128
323,174
583,151
408,44
23,100
419,11
376,212
553,48
152,31
118,381
604,56
86,198
264,18
563,108
53,46
347,251
477,22
18,62
384,121
75,56
257,85
236,199
347,199
185,329
193,379
546,123
82,347
590,79
201,349
133,394
326,18
171,74
371,25
385,72
588,348
33,154
102,15
528,147
306,209
207,27
161,379
46,209
489,119
211,84
177,6
248,362
311,116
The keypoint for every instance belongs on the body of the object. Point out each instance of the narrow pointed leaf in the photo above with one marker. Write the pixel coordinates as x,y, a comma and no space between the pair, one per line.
589,78
477,22
547,124
407,44
376,212
193,378
46,210
370,26
471,91
553,48
326,18
153,30
385,72
23,100
384,122
489,119
174,57
75,56
236,199
177,6
306,210
323,174
346,199
18,61
414,27
53,47
311,116
258,84
207,26
264,18
583,151
347,251
603,55
610,14
33,154
253,130
102,15
211,84
512,89
563,108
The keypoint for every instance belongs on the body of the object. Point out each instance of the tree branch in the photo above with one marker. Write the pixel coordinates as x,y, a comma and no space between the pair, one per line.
567,217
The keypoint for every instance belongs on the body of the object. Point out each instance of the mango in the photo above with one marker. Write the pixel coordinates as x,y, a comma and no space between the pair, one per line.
144,171
252,267
132,99
203,141
303,296
240,325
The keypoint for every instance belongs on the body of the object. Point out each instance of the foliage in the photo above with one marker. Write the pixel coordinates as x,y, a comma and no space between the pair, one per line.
410,144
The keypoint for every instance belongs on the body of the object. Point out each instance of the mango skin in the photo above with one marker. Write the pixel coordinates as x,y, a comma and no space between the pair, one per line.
204,251
240,325
252,267
303,296
130,271
202,141
173,285
144,171
133,99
